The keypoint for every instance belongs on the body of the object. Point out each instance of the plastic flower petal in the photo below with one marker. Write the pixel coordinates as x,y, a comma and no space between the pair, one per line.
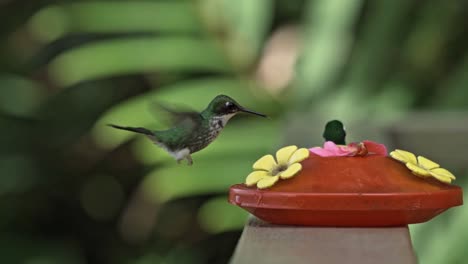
418,170
366,147
358,149
267,182
299,155
255,176
375,148
330,149
283,155
427,163
264,163
403,156
442,175
291,171
267,170
422,167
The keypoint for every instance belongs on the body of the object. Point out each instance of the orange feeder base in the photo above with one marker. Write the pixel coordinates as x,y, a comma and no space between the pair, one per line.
366,191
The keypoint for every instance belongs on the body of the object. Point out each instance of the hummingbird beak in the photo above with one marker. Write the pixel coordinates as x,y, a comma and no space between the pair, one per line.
241,109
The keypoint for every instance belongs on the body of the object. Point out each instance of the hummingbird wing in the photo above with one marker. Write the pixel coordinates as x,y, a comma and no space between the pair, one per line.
188,119
184,123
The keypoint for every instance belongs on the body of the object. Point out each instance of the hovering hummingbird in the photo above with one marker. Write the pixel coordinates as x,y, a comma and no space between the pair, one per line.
193,131
335,131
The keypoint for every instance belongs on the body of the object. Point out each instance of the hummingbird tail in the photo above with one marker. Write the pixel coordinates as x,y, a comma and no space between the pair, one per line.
140,130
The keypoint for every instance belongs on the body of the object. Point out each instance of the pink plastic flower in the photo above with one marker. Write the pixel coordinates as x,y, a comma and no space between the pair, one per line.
363,148
375,148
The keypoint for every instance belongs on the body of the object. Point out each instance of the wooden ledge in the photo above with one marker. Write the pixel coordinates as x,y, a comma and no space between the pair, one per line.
263,243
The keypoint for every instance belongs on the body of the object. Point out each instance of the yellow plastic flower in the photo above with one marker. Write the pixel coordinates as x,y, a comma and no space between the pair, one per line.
267,170
422,166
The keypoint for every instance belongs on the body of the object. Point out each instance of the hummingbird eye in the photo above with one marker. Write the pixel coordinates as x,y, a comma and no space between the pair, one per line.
230,107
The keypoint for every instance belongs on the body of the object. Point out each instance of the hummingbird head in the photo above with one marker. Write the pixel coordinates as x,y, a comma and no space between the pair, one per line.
223,106
335,131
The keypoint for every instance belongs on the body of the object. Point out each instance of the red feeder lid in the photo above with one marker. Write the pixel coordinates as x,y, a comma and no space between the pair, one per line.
349,191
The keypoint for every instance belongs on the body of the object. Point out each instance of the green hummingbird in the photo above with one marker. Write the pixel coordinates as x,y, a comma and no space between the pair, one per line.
193,131
335,131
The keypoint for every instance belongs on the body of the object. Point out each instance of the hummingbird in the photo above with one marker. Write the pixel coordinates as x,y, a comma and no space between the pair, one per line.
193,131
335,131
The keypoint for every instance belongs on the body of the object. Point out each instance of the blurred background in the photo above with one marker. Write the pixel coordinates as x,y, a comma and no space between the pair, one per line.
75,191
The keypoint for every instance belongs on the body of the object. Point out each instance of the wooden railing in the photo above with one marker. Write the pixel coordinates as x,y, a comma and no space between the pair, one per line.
263,243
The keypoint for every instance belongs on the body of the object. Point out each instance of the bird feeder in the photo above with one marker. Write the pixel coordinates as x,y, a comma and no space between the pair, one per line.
355,185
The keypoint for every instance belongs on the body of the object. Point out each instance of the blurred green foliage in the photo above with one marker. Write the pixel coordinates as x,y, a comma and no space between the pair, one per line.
74,191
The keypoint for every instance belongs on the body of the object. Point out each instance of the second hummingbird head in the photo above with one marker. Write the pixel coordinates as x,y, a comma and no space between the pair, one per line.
223,105
335,131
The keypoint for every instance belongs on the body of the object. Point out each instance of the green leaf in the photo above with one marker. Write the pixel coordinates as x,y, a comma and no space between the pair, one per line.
247,25
217,216
451,93
327,44
53,22
382,31
20,174
19,96
136,55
